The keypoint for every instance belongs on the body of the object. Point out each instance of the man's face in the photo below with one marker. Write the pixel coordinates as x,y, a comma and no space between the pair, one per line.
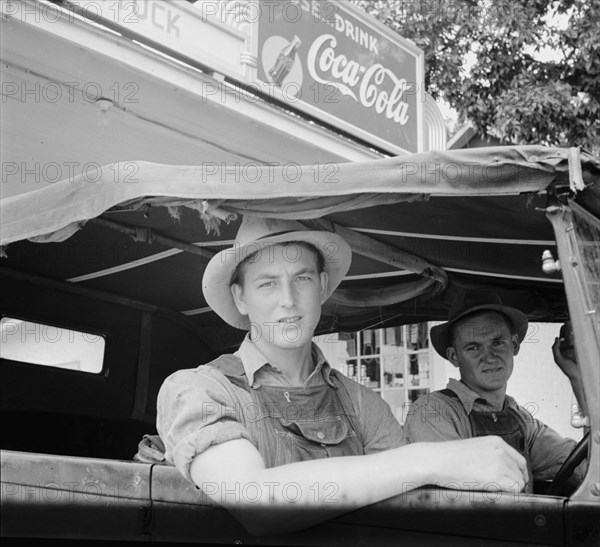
483,349
282,293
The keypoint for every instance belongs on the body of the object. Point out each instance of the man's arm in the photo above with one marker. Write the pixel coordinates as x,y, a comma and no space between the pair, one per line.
298,495
571,370
547,448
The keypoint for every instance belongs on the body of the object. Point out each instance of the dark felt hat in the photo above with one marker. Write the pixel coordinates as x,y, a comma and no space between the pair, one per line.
469,302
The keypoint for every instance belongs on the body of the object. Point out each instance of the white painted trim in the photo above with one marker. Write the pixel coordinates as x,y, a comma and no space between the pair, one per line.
126,266
142,261
457,238
397,273
197,311
506,276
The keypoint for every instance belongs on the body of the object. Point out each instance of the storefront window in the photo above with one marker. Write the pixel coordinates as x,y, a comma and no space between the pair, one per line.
395,362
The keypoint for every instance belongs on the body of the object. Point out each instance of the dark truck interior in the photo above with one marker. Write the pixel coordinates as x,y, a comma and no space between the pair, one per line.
58,411
137,310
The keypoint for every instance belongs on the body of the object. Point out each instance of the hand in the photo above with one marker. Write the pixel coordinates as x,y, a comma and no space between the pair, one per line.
482,463
567,364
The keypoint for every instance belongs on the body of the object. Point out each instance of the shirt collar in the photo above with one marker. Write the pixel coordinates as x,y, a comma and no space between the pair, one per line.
468,397
253,360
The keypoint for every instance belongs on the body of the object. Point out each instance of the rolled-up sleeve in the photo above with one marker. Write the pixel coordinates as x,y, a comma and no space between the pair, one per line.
547,448
196,410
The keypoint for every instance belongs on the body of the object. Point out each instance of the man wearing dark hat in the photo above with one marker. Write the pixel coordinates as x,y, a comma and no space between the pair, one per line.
481,339
272,432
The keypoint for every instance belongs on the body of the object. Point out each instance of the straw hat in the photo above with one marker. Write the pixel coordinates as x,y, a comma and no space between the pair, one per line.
254,235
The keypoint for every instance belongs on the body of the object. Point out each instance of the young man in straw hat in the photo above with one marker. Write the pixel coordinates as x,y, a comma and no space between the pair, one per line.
272,432
481,339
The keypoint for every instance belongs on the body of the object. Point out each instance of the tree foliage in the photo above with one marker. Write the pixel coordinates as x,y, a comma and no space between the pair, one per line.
486,59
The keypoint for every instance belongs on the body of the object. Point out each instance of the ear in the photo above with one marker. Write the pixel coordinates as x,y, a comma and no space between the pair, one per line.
452,356
238,298
324,281
516,343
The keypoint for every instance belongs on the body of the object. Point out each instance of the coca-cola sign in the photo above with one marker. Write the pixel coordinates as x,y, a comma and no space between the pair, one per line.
335,62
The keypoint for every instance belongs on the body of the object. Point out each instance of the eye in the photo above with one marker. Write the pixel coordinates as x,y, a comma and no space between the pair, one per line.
306,276
499,342
266,285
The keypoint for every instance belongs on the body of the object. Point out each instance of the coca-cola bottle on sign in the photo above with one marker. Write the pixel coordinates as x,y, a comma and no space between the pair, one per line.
285,61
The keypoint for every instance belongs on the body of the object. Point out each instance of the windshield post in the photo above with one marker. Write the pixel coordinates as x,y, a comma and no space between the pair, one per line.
577,236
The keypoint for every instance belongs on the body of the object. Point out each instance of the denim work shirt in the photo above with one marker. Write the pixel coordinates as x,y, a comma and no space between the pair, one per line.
201,407
436,417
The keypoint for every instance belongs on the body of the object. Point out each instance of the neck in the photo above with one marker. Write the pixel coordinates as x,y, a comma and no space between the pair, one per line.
495,398
296,363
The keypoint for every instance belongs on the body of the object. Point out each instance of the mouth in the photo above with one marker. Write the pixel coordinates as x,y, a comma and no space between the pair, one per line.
292,319
491,370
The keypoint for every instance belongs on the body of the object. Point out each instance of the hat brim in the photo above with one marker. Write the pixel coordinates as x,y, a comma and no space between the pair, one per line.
216,282
440,334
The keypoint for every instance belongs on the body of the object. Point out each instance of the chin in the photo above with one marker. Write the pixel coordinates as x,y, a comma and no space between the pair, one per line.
496,384
287,342
300,335
287,346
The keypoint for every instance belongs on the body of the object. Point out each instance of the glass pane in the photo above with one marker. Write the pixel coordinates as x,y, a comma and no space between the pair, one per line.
51,346
418,336
351,343
414,394
587,231
418,373
351,370
423,336
393,336
393,370
369,372
370,344
424,369
396,398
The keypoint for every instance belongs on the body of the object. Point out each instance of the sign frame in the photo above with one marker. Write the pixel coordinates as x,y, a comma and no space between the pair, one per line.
346,126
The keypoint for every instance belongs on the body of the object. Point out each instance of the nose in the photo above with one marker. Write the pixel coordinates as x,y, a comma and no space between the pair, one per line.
287,294
489,353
